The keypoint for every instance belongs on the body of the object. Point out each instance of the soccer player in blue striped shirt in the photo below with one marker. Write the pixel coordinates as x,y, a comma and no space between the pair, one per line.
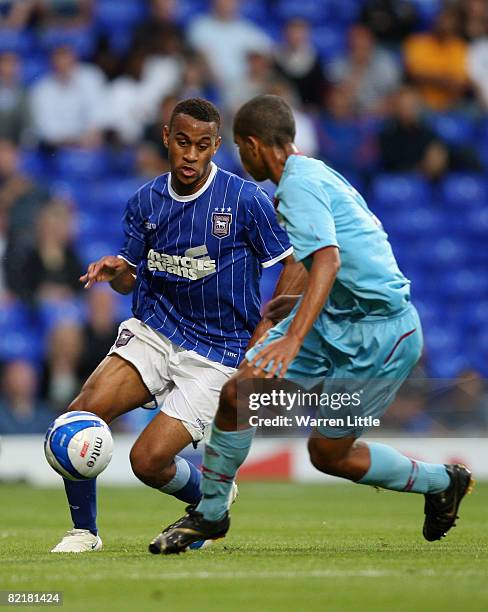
196,240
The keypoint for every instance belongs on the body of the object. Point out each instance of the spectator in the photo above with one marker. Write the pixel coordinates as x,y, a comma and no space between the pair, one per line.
160,34
20,410
197,80
16,14
20,201
299,62
436,63
370,72
99,331
51,269
390,21
306,135
406,141
475,18
14,111
464,407
67,104
225,39
150,161
64,347
131,101
64,13
478,68
346,141
258,79
153,131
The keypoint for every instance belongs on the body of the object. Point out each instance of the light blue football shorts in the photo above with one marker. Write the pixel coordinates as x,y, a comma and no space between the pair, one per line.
372,356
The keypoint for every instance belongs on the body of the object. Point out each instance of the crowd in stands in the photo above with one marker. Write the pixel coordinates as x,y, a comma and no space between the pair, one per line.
392,93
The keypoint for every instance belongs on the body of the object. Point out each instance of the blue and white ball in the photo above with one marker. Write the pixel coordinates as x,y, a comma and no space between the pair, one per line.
78,445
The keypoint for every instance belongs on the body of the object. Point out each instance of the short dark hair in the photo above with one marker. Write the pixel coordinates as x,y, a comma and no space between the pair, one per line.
199,109
267,117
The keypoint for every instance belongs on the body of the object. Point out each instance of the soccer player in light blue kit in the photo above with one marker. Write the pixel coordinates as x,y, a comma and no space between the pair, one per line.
354,322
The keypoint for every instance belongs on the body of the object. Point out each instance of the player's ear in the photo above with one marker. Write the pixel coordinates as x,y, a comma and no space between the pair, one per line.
166,136
253,145
218,142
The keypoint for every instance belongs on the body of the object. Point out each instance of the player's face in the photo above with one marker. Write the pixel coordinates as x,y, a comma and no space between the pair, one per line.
251,158
191,145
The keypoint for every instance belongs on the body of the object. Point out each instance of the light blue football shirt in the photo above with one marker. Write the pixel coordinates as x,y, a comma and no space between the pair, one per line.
320,208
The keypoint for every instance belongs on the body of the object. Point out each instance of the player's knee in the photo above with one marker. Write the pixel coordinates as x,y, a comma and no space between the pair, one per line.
228,399
86,401
322,459
149,467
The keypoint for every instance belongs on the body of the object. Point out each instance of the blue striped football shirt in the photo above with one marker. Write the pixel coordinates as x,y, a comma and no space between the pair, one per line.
199,260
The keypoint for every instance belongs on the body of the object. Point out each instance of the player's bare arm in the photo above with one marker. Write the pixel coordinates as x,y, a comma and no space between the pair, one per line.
325,266
292,280
114,270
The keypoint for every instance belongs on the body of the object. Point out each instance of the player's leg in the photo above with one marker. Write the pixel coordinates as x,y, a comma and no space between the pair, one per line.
155,460
379,464
113,389
371,463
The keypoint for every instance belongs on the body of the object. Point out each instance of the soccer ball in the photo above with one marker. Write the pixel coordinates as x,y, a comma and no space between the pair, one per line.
78,445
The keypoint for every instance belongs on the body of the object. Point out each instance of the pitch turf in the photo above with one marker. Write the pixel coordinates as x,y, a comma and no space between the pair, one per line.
292,547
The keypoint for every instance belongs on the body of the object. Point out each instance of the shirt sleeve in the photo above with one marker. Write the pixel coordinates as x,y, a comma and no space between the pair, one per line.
266,237
134,248
307,210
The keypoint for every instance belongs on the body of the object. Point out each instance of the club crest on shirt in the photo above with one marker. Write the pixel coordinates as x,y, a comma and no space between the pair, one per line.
124,337
221,224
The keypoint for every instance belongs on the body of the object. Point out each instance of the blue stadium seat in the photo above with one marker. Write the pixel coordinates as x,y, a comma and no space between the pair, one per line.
91,251
32,163
400,190
82,40
112,195
15,41
464,283
476,223
115,14
427,11
55,312
464,191
445,252
330,42
33,68
255,10
189,9
19,338
81,164
454,128
411,223
311,10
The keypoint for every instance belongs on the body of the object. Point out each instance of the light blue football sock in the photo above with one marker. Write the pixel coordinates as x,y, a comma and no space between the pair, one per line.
82,499
392,470
224,454
185,484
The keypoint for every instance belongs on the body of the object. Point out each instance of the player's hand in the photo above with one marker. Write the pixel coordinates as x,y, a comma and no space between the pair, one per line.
105,269
280,307
280,353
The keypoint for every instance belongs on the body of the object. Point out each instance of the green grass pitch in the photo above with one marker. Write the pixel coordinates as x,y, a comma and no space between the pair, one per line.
292,547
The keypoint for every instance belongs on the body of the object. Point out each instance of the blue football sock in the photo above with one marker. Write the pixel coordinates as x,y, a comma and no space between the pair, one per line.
392,470
224,454
185,484
82,499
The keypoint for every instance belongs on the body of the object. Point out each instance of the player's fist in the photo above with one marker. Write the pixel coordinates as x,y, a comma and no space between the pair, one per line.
280,307
105,269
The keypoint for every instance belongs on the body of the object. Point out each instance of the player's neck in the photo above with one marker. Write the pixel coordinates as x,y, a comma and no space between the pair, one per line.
277,160
185,190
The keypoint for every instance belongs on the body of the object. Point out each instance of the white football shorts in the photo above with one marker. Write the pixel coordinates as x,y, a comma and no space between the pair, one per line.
184,384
